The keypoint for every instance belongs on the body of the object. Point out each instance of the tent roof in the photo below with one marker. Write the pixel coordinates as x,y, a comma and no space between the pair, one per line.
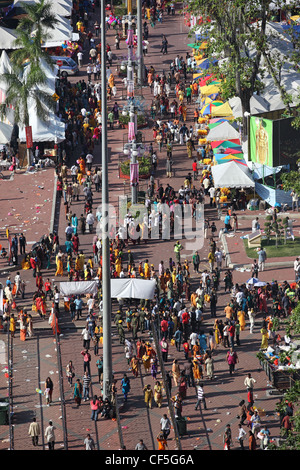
232,175
226,143
224,110
209,89
258,104
223,131
5,133
7,38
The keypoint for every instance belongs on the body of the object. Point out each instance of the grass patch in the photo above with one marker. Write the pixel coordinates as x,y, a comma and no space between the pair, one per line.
283,250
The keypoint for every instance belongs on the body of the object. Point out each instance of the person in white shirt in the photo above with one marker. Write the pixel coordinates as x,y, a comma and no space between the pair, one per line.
218,258
241,436
50,435
255,225
89,161
79,58
251,315
90,220
249,382
211,193
193,338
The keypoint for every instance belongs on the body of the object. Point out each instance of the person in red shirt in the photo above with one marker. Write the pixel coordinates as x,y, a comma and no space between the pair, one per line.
231,331
185,322
164,328
48,289
195,169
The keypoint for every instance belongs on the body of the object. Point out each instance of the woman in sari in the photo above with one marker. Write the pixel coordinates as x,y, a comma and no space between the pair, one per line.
175,372
23,327
59,265
197,373
118,266
77,394
158,393
135,366
264,337
81,163
241,318
154,367
146,362
217,332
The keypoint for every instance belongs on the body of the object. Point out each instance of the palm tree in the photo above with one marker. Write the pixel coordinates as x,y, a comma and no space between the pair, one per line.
23,90
29,50
25,84
39,17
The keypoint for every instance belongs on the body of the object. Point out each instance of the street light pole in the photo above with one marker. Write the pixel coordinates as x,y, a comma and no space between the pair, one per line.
141,74
106,291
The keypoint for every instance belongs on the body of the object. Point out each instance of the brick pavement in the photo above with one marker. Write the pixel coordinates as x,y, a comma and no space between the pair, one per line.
136,421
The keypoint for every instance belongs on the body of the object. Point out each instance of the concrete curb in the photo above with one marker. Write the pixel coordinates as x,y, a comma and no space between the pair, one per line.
53,211
277,264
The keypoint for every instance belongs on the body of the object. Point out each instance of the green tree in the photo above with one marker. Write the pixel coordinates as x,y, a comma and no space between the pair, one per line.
38,18
239,37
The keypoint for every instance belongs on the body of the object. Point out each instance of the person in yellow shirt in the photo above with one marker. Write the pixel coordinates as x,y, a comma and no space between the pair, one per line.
12,325
146,270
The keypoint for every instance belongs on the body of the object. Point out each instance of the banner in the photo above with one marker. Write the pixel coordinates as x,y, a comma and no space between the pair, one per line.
120,288
28,133
78,288
261,141
132,288
134,174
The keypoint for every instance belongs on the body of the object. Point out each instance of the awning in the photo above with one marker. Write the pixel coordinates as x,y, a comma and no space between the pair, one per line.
232,175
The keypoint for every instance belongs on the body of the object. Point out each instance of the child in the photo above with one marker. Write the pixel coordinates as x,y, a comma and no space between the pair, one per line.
47,396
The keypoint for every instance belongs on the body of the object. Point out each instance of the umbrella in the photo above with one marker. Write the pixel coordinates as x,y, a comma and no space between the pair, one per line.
206,63
252,280
209,89
260,284
207,109
218,120
203,80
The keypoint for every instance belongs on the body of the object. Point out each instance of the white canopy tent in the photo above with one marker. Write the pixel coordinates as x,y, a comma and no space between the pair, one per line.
5,67
5,133
61,7
232,175
258,105
120,288
7,38
50,130
224,131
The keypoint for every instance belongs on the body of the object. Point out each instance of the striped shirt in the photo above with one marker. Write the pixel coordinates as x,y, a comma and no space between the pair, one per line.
86,381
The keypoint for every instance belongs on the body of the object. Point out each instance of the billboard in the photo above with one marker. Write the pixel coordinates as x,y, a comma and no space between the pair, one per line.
286,139
261,140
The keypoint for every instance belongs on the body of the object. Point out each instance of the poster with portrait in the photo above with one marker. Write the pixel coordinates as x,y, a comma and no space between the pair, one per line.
261,140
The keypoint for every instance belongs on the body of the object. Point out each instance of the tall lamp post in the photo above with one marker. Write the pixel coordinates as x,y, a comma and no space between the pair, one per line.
141,69
106,290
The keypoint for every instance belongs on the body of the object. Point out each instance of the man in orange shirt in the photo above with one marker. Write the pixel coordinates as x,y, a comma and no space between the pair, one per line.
162,443
228,312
